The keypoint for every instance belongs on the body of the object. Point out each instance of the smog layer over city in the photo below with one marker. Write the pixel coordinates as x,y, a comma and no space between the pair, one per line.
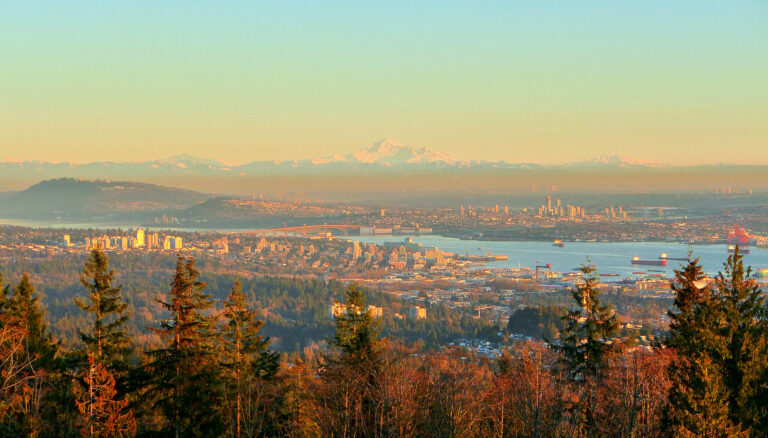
401,219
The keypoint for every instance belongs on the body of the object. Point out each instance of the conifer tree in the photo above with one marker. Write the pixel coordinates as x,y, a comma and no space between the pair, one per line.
698,397
587,338
183,373
102,414
587,344
352,372
4,295
20,379
245,352
25,307
107,341
743,329
44,413
357,331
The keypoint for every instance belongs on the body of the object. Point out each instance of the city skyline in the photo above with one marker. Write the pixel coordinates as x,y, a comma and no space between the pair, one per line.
679,83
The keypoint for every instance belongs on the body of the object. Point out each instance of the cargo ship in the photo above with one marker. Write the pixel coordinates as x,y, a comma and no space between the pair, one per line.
558,243
732,249
638,261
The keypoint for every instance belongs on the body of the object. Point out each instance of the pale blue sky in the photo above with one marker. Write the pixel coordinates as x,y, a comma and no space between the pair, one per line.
541,81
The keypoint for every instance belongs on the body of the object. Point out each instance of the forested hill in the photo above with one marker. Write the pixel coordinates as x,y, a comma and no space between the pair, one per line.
82,199
205,368
294,309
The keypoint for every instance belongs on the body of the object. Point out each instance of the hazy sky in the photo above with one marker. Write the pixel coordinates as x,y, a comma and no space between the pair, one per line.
540,81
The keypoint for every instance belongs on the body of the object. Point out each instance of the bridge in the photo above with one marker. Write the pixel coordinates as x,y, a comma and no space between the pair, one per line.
303,229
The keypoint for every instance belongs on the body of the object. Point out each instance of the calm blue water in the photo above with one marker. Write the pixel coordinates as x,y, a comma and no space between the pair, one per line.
610,257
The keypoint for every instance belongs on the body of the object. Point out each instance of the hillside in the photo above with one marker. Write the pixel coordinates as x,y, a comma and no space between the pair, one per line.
69,198
243,211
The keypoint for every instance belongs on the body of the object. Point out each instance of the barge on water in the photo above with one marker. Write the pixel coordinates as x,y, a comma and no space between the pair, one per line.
638,261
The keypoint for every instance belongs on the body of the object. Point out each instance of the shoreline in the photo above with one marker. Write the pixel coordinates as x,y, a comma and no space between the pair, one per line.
234,230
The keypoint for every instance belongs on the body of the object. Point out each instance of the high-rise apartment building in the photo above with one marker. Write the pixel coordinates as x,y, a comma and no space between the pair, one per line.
140,238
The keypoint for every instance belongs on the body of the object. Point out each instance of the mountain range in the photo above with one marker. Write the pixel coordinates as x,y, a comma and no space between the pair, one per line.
386,155
389,168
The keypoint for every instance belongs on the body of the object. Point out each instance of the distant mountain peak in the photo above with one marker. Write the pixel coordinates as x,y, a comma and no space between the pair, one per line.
186,161
391,153
617,160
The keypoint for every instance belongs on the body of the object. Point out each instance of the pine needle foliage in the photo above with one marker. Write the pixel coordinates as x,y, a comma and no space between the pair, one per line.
742,327
184,374
107,340
102,414
24,305
357,331
698,397
245,355
587,339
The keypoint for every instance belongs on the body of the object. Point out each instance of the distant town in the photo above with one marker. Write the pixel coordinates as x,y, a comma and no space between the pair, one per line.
420,277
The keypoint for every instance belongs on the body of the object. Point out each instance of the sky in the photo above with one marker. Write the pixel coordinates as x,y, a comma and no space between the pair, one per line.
682,82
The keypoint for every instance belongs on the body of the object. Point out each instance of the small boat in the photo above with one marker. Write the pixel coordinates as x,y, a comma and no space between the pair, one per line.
609,275
639,273
559,243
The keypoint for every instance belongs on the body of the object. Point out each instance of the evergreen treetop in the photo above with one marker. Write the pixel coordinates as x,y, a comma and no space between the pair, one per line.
244,346
357,331
698,397
107,341
587,338
742,327
25,306
184,374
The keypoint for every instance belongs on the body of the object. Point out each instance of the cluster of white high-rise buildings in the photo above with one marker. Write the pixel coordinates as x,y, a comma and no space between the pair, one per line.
557,209
142,240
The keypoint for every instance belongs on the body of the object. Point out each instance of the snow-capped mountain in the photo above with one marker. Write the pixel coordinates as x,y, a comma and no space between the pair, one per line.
186,164
185,161
385,155
388,152
616,160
